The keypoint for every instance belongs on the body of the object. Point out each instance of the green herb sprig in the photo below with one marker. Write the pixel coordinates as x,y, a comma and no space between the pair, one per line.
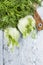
12,10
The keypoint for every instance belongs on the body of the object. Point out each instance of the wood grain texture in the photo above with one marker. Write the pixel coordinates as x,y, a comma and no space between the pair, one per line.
39,22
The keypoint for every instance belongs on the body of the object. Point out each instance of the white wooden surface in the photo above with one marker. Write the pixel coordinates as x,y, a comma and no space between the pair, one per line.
1,53
30,51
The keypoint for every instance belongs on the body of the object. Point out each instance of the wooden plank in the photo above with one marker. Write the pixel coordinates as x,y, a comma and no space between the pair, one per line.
1,55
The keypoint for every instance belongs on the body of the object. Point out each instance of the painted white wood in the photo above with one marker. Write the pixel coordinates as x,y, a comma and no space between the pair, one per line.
1,53
30,52
40,12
